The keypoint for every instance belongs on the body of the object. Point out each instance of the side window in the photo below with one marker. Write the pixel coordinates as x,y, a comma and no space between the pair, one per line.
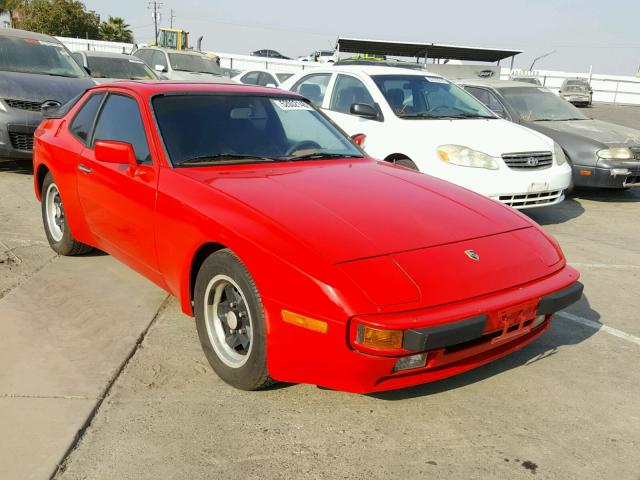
349,90
480,93
158,58
145,56
313,87
83,121
267,79
120,121
488,99
78,58
251,78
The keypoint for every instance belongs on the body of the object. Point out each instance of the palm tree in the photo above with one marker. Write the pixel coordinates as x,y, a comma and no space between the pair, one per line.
115,30
9,7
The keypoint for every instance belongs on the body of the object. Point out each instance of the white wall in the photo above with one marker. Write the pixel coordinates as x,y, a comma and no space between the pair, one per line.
76,44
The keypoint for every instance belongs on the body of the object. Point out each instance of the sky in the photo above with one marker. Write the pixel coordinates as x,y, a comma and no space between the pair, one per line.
605,35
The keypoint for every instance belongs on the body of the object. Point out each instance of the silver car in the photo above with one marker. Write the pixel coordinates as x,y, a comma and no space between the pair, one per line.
577,91
182,65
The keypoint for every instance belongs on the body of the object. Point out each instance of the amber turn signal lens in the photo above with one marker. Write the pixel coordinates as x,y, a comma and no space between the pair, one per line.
378,338
586,173
305,322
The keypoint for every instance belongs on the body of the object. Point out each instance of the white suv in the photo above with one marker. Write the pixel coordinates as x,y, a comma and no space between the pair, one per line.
420,120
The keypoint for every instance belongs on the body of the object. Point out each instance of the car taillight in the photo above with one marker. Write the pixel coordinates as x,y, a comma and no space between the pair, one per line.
359,138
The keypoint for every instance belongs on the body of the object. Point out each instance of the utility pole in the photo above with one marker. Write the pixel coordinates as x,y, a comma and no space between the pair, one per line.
171,18
155,7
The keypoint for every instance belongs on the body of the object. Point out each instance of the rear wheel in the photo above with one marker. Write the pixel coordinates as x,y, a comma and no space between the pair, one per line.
231,323
55,221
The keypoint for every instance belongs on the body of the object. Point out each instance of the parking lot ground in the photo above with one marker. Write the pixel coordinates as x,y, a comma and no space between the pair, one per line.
627,115
565,407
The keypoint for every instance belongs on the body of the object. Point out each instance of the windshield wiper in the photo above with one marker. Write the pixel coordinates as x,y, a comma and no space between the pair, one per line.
61,75
319,156
225,158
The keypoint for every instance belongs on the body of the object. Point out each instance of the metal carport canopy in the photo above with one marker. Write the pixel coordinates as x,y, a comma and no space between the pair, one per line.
422,50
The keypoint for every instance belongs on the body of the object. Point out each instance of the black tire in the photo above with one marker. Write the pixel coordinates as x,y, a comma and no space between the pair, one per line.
66,245
253,374
406,163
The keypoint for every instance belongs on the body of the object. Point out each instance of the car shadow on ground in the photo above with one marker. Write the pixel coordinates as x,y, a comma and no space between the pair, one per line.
561,213
17,166
606,195
562,333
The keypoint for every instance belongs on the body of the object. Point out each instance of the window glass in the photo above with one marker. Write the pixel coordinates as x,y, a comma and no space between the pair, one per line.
266,79
145,56
313,87
220,129
83,121
251,78
190,62
349,90
42,57
120,121
78,58
420,97
488,98
539,104
158,58
129,68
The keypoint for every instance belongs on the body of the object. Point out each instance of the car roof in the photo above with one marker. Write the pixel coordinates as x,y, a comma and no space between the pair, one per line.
14,32
93,53
154,87
173,50
498,84
374,70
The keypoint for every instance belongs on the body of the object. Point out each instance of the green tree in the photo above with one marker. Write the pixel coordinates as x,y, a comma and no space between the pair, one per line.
65,18
115,30
10,7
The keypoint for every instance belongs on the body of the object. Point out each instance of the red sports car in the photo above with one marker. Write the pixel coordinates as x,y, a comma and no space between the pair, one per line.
302,259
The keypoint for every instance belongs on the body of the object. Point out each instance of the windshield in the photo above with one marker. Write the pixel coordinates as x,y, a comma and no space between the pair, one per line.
27,55
417,96
126,68
232,129
539,104
194,63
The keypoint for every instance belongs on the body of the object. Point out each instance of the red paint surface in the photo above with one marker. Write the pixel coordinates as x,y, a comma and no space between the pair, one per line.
342,241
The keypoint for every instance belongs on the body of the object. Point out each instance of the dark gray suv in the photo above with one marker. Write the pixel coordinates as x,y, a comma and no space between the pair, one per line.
35,71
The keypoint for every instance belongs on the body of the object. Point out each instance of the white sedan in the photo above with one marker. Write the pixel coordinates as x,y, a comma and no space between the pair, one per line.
264,78
422,121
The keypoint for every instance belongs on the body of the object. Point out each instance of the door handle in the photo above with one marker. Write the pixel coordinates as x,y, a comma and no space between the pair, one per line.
84,168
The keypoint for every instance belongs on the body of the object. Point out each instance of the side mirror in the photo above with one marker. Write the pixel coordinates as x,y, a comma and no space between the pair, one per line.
160,68
121,153
364,110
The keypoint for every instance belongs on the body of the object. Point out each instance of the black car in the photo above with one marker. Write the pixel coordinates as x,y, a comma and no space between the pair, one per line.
602,154
269,54
36,71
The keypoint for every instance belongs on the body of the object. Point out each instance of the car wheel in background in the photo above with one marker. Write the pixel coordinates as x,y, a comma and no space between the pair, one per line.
55,221
231,323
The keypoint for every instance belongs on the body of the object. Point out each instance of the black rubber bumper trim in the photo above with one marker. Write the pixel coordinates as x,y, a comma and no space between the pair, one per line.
561,299
441,336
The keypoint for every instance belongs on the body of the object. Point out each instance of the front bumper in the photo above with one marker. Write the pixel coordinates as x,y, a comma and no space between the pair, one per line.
618,174
455,337
16,133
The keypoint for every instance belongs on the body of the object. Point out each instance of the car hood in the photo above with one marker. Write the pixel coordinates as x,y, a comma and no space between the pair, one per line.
605,133
38,88
348,210
494,137
198,77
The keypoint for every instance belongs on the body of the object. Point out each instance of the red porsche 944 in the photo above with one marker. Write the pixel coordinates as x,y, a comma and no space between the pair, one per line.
302,259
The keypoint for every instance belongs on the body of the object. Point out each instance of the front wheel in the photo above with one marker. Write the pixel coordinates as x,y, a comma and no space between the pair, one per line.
55,222
231,323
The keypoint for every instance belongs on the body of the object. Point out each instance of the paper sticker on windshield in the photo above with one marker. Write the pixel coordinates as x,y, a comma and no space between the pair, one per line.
292,104
436,80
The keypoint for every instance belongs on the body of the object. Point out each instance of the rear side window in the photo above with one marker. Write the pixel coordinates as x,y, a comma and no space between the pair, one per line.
120,121
83,121
313,87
